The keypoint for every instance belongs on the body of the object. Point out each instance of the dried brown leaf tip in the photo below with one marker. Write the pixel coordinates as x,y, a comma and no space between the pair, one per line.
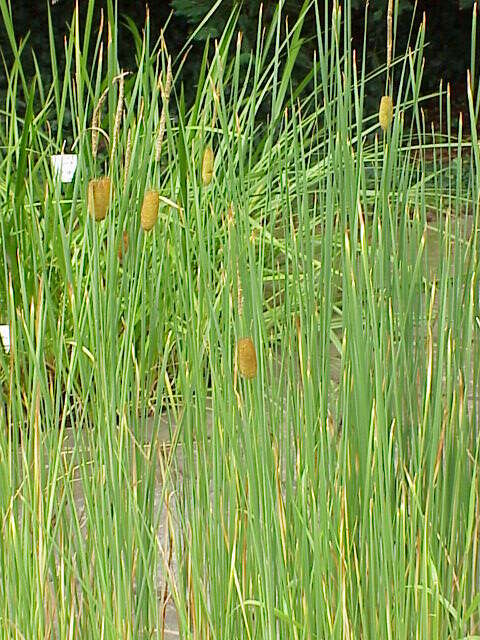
99,197
208,161
385,113
149,213
246,358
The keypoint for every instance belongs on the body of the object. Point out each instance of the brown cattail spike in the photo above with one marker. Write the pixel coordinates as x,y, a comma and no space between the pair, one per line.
385,113
207,166
247,358
99,197
149,212
123,246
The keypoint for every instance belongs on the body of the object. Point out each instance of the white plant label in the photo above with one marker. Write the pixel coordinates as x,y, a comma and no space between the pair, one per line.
64,165
5,336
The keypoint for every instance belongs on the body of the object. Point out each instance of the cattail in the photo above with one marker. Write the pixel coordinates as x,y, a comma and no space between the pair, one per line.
207,166
96,122
149,212
246,358
161,133
123,246
385,113
99,197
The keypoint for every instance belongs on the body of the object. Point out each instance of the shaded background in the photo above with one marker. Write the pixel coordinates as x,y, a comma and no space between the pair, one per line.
448,34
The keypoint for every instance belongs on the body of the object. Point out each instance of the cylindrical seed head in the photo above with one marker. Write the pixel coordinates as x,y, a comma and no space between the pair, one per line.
385,113
149,213
246,358
99,197
207,166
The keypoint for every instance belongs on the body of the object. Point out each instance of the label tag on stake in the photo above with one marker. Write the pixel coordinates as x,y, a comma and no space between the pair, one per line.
5,336
64,165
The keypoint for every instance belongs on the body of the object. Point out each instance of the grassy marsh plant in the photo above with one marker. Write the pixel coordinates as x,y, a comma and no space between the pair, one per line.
340,497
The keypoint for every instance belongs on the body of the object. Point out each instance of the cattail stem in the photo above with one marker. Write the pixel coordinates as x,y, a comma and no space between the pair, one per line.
239,293
128,155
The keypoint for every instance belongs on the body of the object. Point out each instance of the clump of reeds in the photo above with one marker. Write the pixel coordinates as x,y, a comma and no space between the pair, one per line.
246,358
99,197
385,112
207,166
149,213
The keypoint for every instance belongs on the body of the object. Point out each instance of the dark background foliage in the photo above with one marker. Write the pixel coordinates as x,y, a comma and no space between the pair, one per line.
448,32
